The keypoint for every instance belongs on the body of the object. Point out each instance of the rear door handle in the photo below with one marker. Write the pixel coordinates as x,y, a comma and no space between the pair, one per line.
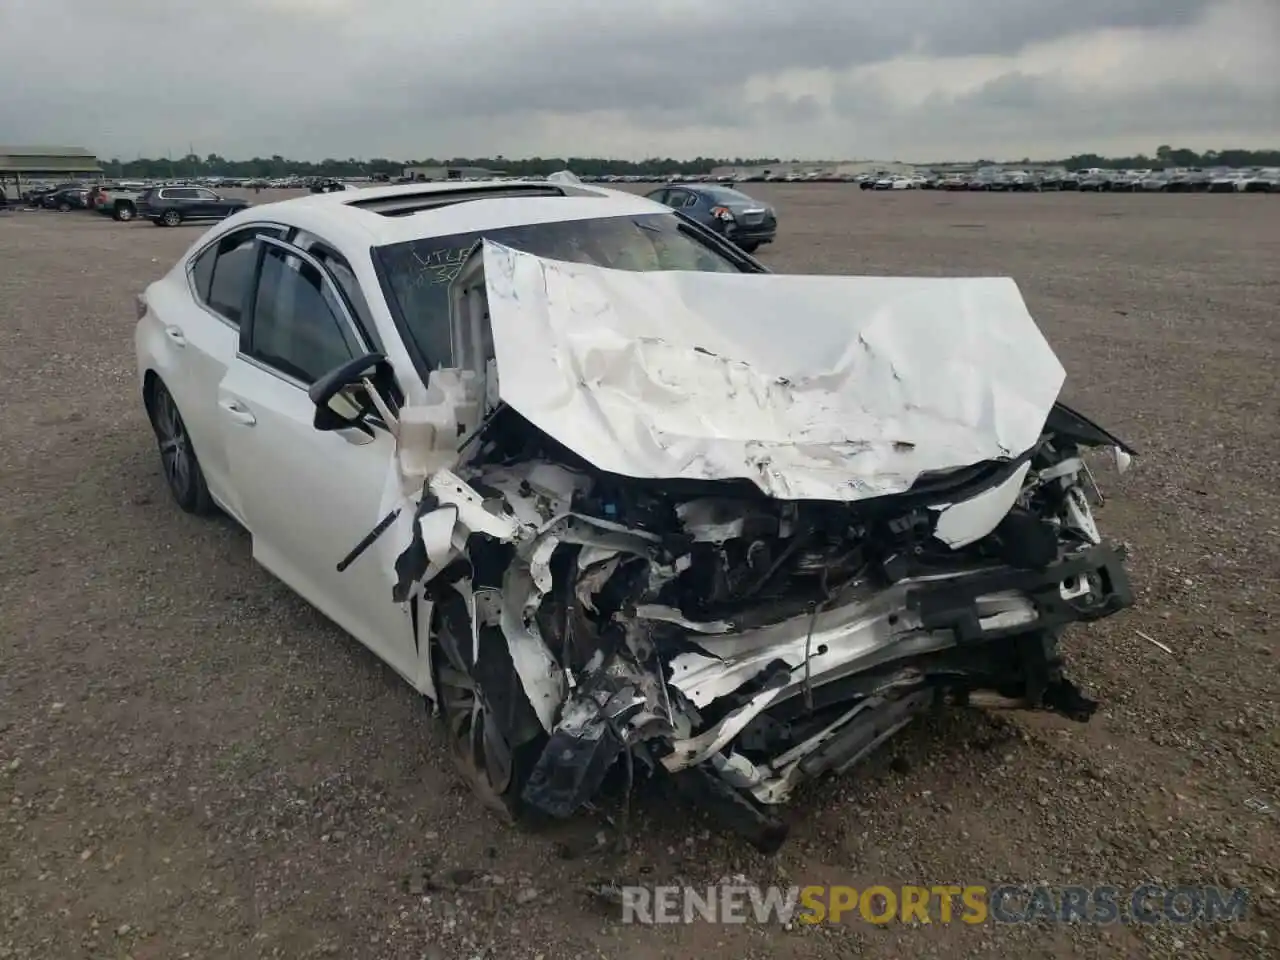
238,412
176,335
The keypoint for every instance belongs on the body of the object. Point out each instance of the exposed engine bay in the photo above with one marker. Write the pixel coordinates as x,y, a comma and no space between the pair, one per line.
712,631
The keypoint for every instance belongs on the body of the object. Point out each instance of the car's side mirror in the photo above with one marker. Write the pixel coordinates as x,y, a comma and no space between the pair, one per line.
347,394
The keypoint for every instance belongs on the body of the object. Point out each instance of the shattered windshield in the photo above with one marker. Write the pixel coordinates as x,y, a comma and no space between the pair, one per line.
417,273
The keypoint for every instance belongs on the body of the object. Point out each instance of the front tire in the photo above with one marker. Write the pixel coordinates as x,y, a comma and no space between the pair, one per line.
64,207
171,218
494,769
749,246
123,213
182,471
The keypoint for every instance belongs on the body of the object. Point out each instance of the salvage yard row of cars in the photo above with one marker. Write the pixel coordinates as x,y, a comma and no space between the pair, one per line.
165,205
1098,181
736,556
1224,180
747,222
120,199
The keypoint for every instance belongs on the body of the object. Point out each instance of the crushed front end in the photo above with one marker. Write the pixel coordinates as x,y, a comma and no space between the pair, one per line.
744,644
662,561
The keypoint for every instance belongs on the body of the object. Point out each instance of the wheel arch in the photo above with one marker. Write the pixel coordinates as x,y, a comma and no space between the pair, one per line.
150,380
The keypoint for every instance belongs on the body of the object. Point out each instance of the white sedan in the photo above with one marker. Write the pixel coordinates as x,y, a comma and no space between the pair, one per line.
599,486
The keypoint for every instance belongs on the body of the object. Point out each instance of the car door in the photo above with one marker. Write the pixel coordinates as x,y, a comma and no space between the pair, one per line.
204,339
190,204
204,204
308,496
222,207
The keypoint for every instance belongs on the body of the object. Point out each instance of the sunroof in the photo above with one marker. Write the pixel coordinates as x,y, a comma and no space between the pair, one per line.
403,204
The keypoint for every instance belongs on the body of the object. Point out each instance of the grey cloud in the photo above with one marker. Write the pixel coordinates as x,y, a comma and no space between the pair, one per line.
1005,117
568,65
337,77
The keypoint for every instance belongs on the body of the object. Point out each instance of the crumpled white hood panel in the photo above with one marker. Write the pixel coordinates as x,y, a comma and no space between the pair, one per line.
812,387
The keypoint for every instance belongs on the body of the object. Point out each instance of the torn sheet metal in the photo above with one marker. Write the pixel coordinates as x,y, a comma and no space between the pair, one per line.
828,388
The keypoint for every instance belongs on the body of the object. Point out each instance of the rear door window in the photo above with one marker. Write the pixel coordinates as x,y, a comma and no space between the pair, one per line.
223,273
679,198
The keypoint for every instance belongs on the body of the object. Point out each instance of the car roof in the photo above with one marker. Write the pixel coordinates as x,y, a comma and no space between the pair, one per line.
353,217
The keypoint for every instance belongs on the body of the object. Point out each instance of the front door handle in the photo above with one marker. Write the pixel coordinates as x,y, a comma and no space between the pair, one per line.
176,335
238,412
355,436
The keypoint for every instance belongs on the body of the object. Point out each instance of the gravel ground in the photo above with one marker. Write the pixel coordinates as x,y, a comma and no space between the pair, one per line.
194,763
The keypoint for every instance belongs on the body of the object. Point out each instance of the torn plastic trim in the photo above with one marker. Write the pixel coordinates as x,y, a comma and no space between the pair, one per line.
472,514
616,707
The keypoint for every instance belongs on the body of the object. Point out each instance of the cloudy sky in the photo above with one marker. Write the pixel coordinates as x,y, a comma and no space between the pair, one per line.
882,79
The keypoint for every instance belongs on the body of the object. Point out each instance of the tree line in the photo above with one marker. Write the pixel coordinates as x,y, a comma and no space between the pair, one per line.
1167,156
277,166
274,167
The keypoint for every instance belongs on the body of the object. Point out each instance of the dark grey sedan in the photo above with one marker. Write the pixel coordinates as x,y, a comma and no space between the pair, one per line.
730,213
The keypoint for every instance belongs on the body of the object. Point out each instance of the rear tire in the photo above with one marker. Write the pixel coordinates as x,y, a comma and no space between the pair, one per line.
750,246
64,207
182,471
124,212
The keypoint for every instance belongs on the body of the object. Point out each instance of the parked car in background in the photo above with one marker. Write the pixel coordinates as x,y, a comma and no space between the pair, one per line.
1188,181
1232,181
1262,181
746,221
116,201
66,199
35,194
327,185
170,206
894,183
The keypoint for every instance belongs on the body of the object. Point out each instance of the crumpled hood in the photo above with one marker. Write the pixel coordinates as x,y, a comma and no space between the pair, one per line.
812,387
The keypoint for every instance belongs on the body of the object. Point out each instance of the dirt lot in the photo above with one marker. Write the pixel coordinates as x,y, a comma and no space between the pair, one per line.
193,763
